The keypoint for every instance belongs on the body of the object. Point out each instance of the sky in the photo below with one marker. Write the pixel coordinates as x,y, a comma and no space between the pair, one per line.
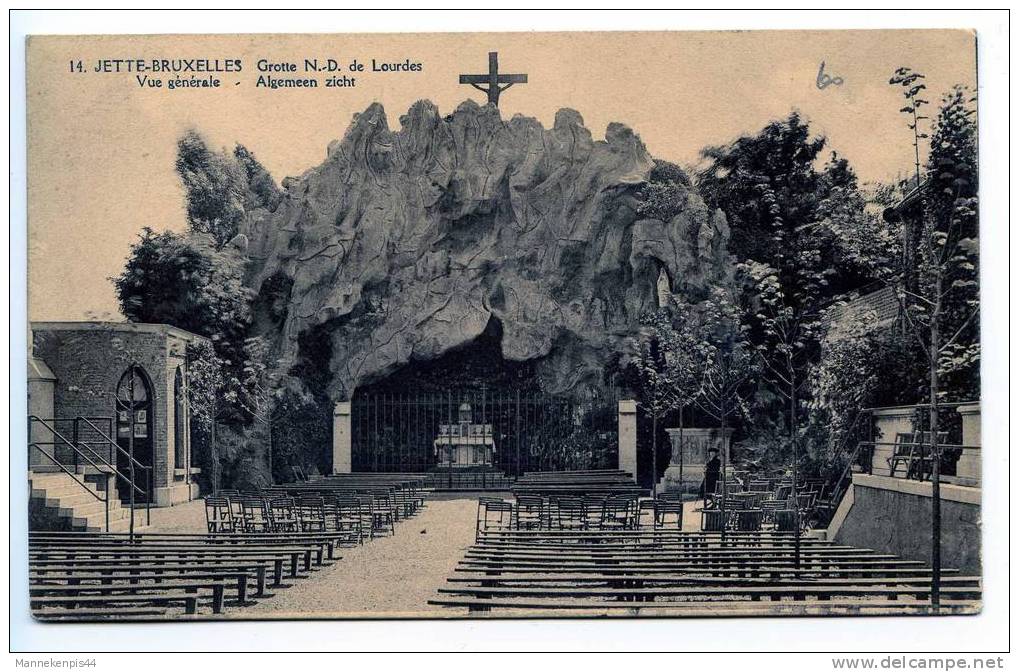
101,147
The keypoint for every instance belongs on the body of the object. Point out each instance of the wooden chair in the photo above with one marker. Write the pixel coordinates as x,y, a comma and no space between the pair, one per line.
366,513
255,514
785,520
645,505
530,512
769,507
615,514
283,515
904,451
572,513
493,512
347,515
667,504
311,515
383,518
748,520
218,515
712,520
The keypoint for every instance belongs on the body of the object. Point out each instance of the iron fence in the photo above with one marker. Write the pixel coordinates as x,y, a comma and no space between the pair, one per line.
465,430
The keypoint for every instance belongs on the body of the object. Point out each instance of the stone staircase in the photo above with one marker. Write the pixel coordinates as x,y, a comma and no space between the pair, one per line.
60,501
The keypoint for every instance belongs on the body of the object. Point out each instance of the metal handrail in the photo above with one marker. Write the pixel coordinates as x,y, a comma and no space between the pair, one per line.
103,465
147,469
70,444
924,444
106,497
941,404
111,442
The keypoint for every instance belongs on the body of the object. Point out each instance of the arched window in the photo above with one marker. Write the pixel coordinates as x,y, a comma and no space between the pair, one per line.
179,425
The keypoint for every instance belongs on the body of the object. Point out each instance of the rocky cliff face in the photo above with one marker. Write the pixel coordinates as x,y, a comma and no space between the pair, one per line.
404,244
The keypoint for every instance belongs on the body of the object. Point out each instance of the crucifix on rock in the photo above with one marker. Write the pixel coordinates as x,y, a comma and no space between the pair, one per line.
493,79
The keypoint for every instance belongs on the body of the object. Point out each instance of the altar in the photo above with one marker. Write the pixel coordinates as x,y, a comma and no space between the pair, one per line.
465,444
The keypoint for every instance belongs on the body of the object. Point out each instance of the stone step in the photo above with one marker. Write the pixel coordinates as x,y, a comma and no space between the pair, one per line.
122,524
65,500
64,483
98,519
89,508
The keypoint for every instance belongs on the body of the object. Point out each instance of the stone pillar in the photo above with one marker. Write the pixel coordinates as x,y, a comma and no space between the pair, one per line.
967,469
628,436
696,442
341,438
41,383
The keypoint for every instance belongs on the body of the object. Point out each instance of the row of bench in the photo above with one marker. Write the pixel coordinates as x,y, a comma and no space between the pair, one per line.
649,572
82,576
256,543
601,482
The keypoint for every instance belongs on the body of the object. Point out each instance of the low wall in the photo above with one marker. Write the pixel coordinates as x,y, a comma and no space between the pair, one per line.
893,515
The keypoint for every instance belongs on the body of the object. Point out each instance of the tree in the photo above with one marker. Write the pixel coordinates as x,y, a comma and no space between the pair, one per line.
946,276
666,192
667,366
728,364
653,363
214,189
221,188
912,88
184,281
786,213
206,386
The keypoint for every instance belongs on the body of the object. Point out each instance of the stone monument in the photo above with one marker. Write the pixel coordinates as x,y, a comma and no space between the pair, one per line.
696,441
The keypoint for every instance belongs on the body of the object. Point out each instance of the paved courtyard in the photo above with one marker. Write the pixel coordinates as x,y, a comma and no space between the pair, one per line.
388,576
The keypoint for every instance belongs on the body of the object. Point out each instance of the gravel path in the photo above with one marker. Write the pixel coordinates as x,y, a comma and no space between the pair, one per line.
386,577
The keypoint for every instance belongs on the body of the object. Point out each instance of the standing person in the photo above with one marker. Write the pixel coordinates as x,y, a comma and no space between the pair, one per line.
711,471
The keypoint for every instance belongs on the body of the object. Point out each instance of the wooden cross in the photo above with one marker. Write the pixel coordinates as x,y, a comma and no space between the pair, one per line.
493,79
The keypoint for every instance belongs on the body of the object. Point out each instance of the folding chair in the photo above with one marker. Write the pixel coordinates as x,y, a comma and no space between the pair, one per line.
347,515
712,520
615,514
666,504
383,518
492,510
311,514
748,520
218,516
255,514
530,513
572,513
283,515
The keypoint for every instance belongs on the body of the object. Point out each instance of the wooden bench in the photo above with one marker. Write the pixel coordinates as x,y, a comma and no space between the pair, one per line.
36,590
188,600
75,576
689,572
528,607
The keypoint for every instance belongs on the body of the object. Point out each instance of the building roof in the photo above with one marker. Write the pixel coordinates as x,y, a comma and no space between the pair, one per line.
909,203
122,327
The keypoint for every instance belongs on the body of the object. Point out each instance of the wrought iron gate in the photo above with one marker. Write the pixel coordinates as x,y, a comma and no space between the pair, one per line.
395,432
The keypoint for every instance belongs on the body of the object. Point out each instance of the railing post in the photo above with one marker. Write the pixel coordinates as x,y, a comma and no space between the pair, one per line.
74,441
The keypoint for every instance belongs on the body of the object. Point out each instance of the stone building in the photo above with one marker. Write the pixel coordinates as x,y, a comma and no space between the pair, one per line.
125,381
